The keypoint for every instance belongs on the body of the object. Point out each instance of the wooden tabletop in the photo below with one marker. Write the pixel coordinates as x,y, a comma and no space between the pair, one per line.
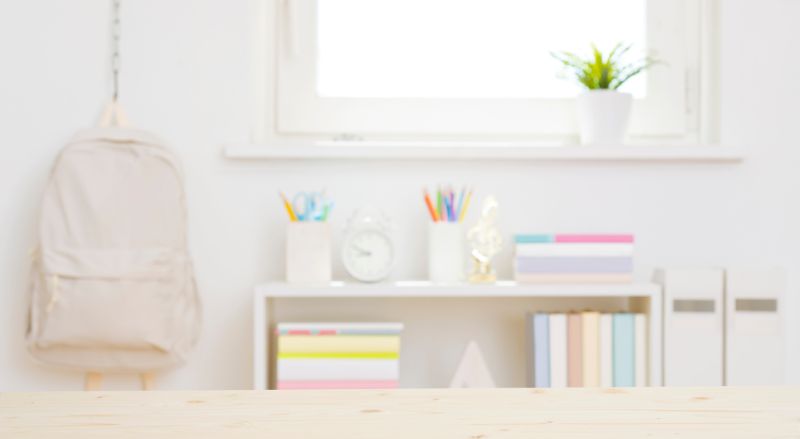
441,413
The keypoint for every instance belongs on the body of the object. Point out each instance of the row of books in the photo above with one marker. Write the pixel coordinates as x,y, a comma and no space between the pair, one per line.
561,258
587,349
338,355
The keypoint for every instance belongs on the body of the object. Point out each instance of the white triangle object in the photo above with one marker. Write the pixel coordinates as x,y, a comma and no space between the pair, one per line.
472,371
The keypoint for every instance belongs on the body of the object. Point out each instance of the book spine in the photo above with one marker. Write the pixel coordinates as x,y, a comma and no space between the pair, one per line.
534,239
640,349
606,347
339,328
337,369
334,384
542,350
350,355
573,278
530,356
334,332
618,238
590,326
564,250
558,349
606,264
574,351
339,343
623,348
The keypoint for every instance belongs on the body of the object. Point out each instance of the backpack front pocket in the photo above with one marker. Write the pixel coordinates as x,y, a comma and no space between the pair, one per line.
110,300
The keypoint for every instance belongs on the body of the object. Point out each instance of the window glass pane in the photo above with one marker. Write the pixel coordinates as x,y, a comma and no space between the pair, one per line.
466,48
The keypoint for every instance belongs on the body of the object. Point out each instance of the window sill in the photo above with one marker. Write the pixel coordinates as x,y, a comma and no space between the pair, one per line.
363,150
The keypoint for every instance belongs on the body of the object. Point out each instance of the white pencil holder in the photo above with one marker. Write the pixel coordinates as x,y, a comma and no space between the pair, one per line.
308,252
446,252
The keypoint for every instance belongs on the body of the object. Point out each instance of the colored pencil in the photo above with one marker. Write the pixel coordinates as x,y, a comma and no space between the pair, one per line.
453,214
288,206
439,203
460,203
431,210
466,206
448,208
326,211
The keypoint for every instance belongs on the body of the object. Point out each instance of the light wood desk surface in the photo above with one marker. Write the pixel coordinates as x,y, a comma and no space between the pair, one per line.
458,413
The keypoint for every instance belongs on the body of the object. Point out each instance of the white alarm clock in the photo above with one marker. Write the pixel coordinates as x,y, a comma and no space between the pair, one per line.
368,249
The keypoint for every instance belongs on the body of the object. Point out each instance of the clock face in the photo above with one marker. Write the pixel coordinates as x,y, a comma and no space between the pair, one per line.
368,255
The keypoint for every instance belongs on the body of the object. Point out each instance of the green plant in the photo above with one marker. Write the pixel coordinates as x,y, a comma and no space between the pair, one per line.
599,72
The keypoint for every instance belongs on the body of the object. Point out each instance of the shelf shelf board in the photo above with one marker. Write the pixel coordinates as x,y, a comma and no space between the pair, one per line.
483,151
421,289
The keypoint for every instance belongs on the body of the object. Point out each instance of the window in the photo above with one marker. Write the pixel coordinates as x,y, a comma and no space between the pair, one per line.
417,68
460,60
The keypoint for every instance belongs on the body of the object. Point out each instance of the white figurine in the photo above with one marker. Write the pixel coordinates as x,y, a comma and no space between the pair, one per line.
472,371
486,242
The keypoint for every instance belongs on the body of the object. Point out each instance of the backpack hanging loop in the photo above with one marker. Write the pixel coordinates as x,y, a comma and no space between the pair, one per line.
113,114
115,55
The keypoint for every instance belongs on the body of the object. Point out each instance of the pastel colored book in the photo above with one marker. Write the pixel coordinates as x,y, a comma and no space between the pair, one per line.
582,264
595,238
573,278
528,239
339,328
541,343
558,249
530,379
339,343
337,369
640,349
590,342
574,351
351,355
342,384
557,333
573,238
624,346
606,350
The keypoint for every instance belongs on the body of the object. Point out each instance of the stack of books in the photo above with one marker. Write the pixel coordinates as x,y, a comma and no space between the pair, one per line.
555,258
587,349
338,355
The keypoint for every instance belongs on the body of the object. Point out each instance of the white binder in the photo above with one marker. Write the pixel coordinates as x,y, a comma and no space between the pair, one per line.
754,302
693,326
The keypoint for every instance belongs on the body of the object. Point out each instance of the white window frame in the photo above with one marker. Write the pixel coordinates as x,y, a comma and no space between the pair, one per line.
671,111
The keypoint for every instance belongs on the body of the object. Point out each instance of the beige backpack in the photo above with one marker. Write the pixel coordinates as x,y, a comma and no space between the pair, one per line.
113,288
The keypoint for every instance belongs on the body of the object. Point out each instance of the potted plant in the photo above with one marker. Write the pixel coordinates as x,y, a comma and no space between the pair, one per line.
603,110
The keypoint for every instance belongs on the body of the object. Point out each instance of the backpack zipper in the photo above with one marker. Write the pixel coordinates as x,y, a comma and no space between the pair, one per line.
54,296
35,253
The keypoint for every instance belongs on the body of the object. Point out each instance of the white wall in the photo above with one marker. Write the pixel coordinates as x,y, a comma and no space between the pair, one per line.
186,76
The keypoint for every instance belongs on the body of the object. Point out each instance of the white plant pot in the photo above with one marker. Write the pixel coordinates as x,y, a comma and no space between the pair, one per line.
603,116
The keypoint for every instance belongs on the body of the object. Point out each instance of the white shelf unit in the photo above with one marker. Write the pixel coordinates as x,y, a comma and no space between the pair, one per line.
640,297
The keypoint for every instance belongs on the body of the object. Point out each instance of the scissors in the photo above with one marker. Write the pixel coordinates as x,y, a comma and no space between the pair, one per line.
309,206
